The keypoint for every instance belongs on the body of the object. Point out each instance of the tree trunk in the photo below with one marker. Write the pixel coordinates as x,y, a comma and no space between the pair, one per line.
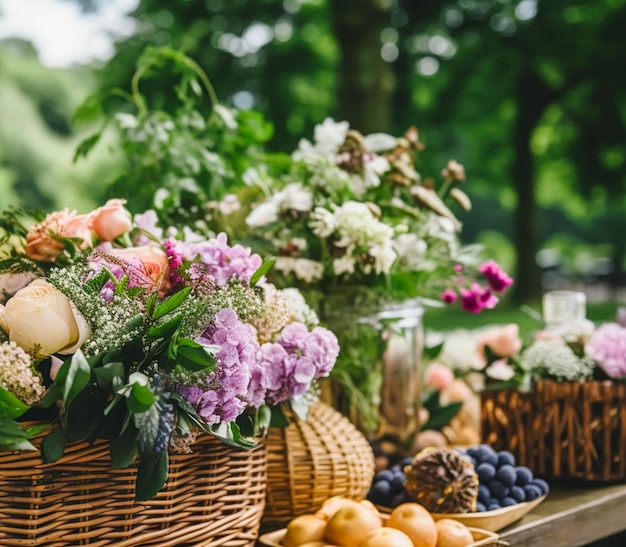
366,81
532,99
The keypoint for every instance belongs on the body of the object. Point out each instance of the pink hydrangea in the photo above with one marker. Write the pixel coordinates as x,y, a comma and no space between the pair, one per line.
607,347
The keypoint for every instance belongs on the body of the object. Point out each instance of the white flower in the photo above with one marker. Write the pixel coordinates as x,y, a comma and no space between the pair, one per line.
411,250
330,135
303,268
384,257
345,264
229,204
295,197
373,169
322,222
263,214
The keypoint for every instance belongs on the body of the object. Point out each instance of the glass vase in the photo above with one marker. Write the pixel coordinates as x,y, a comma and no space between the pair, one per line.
376,382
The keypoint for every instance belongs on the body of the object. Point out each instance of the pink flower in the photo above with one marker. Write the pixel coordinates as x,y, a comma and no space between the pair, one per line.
500,370
497,279
42,240
111,220
475,299
438,376
448,296
607,347
503,341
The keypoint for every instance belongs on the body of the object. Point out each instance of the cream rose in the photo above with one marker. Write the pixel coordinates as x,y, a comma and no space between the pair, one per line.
111,220
42,320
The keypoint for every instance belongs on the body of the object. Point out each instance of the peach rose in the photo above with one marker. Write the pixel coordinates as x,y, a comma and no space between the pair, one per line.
42,239
111,220
42,320
503,341
438,376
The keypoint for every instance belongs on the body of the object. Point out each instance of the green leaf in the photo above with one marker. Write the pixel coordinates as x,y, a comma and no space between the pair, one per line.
34,430
167,329
229,433
195,358
433,352
53,445
442,416
10,432
171,303
268,263
107,373
278,418
54,394
85,146
124,449
78,376
10,405
89,111
151,475
140,399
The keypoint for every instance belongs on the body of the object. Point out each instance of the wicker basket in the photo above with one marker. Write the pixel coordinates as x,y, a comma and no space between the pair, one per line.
308,462
561,430
213,497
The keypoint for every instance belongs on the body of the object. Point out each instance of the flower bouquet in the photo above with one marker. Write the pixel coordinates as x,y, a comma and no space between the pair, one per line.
557,401
113,331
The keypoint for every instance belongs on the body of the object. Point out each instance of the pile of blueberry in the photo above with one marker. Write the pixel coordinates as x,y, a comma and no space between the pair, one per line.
388,486
501,483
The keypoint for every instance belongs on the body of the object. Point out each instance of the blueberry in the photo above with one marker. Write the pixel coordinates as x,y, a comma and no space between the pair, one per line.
508,501
493,506
532,492
473,452
487,448
480,507
491,501
507,474
498,489
543,485
474,461
384,475
486,454
380,493
517,493
395,467
486,472
397,481
400,498
483,493
524,475
505,458
406,461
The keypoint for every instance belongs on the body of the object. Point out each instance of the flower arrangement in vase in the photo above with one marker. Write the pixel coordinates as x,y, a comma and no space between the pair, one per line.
117,329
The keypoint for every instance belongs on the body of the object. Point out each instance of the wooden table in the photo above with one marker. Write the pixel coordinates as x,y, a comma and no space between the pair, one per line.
571,517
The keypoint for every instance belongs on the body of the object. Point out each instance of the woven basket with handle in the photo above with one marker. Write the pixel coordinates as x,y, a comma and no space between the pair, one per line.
310,461
213,497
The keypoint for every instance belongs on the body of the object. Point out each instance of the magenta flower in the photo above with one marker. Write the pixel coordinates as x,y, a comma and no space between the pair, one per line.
477,298
497,279
448,296
607,347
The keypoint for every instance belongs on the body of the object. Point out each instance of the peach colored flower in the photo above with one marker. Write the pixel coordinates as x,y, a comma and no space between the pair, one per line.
111,220
503,341
153,263
438,376
42,320
42,241
500,370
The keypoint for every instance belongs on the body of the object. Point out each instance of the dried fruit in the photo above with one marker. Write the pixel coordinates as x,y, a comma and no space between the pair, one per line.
443,480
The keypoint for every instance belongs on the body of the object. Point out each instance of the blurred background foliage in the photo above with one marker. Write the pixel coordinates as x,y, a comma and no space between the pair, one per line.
530,95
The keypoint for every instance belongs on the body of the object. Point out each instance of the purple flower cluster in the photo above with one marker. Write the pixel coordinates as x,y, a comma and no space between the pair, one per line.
477,298
287,367
223,261
228,384
607,347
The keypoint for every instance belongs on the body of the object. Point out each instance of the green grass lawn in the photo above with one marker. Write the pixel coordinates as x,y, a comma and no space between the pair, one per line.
451,318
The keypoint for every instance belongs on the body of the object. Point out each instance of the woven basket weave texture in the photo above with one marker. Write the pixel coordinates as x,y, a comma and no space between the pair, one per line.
310,461
213,497
561,430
